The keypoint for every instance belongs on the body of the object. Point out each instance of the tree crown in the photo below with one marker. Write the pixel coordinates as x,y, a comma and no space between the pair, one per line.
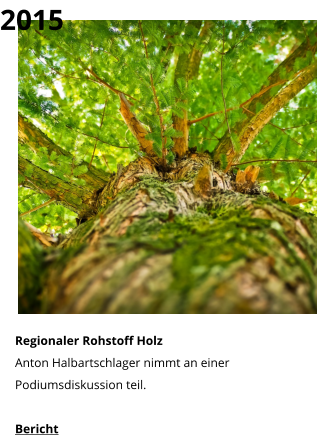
72,82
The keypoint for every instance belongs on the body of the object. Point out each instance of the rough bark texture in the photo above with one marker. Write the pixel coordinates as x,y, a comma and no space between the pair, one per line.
187,244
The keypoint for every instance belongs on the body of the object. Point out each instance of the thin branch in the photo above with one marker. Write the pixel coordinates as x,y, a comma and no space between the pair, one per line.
276,126
240,41
107,52
273,160
299,126
85,68
203,138
38,207
65,75
26,197
260,93
95,145
32,183
215,130
300,108
199,119
103,82
104,158
33,76
88,135
283,131
294,191
96,138
222,54
264,90
224,101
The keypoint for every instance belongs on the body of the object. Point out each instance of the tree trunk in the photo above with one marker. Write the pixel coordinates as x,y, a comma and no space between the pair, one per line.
194,241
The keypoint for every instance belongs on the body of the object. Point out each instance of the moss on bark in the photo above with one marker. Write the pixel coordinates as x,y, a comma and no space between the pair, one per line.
180,239
226,253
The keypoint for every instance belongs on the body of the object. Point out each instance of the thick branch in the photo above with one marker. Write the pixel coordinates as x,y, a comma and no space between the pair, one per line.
34,138
258,121
156,101
274,80
187,68
45,204
276,77
76,198
197,51
263,96
181,144
288,66
135,126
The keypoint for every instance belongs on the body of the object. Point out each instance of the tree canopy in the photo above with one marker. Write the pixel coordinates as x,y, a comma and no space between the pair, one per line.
228,77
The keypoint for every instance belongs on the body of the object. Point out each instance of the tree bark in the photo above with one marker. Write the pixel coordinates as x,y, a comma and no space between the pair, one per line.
190,244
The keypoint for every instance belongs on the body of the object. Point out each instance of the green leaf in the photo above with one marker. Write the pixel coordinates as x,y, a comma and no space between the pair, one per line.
170,157
80,170
178,112
223,161
310,145
275,149
21,178
235,142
